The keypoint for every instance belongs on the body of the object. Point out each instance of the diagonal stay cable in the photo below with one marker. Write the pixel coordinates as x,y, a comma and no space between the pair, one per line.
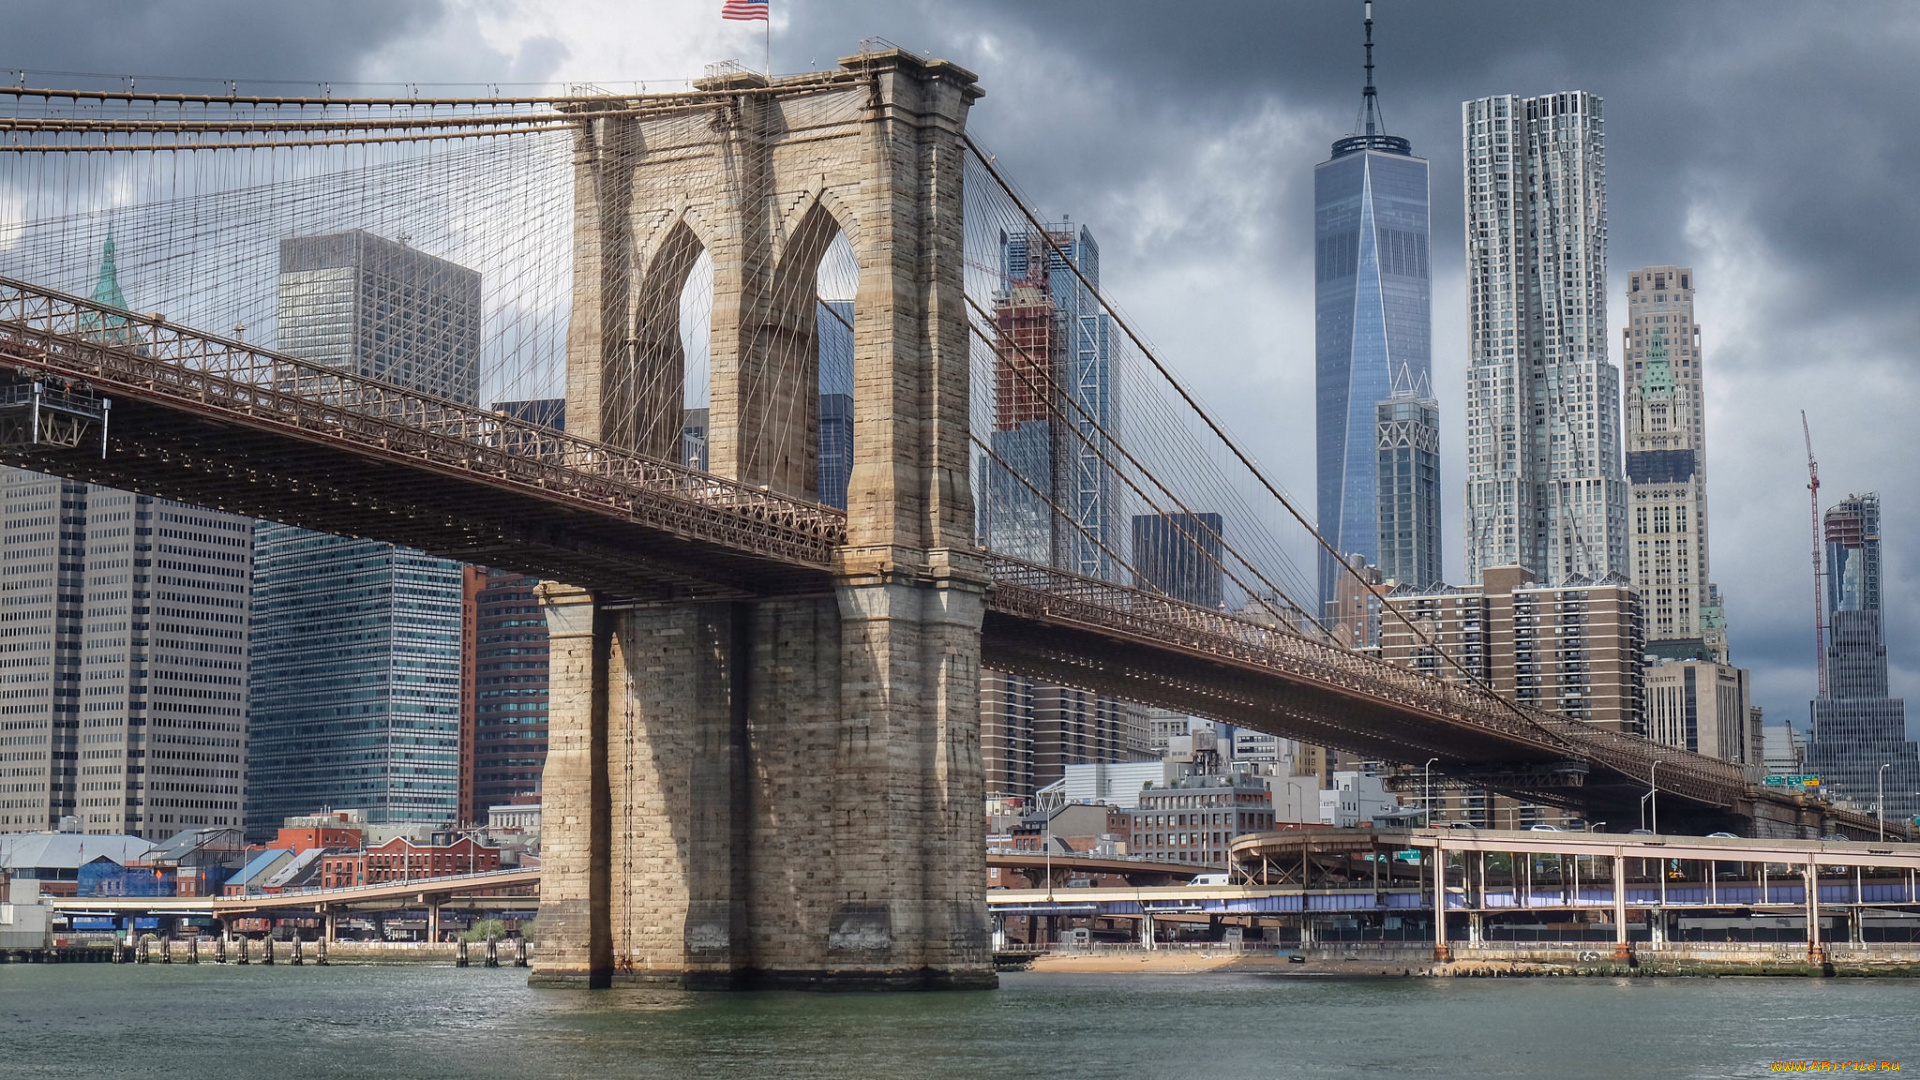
1110,439
1180,388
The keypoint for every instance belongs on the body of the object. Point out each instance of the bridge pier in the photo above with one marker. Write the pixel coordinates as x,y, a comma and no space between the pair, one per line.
777,790
786,792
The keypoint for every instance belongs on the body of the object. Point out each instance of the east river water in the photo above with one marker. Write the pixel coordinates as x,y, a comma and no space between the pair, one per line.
419,1023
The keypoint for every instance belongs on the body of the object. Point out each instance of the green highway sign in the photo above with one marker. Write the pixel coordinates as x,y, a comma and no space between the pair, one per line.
1803,780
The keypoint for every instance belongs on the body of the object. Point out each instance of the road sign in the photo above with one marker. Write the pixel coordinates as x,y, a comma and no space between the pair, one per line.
1804,780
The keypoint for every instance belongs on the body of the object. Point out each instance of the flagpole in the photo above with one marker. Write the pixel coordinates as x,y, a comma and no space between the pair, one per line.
769,46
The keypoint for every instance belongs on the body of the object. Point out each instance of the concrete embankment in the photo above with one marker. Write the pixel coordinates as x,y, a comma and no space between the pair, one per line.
398,952
1891,961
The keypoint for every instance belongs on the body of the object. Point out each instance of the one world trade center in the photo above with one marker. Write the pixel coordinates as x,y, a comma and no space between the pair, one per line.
1372,328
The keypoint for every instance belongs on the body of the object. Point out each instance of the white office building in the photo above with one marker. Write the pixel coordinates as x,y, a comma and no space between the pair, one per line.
123,668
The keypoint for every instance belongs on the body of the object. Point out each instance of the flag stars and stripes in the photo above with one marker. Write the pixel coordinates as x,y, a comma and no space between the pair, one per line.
744,10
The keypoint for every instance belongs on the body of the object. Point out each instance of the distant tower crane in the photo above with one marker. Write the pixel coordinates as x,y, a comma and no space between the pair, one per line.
1819,570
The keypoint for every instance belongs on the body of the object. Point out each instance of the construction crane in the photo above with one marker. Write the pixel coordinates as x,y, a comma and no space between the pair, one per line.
1819,570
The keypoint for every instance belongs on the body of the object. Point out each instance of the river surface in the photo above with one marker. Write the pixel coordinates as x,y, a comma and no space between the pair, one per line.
421,1023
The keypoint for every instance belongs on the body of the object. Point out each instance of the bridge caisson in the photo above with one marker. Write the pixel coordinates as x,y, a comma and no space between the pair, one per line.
781,790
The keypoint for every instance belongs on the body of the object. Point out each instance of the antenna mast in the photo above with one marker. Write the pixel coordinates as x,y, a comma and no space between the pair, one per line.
1368,93
1819,568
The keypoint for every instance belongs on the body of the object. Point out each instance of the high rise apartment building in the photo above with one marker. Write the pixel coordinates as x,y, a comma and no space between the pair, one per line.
1373,325
123,650
1574,648
356,685
1544,483
1857,727
1666,466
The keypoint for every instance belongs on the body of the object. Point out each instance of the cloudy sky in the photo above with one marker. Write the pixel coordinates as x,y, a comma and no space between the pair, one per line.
1762,143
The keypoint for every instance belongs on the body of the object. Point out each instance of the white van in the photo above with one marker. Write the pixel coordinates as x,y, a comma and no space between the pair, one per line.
1212,879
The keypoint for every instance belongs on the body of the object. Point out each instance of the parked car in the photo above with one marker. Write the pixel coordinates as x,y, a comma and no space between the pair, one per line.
1546,828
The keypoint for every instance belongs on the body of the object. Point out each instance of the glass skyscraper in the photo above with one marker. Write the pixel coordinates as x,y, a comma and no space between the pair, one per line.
1407,440
835,456
1054,502
356,681
1049,323
1373,316
1857,728
1178,555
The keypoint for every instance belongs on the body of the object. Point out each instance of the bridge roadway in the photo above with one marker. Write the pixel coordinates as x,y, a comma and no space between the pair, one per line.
217,422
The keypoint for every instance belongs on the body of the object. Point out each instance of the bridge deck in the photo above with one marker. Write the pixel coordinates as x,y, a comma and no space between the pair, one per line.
216,422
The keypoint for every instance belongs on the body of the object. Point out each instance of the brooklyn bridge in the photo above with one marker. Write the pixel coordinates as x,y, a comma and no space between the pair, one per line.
765,751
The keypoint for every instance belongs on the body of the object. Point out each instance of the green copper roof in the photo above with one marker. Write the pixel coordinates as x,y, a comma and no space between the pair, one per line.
106,290
111,329
1659,379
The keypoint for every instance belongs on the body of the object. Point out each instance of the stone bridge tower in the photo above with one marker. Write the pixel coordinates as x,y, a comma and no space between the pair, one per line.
776,791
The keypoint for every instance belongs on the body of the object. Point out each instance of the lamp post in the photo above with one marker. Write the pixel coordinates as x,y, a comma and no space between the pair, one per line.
1047,845
1880,799
1653,794
1429,796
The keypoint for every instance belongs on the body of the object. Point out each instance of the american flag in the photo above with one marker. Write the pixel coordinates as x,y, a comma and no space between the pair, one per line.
744,10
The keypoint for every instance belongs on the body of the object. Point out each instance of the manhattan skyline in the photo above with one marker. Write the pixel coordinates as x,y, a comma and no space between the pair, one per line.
1186,142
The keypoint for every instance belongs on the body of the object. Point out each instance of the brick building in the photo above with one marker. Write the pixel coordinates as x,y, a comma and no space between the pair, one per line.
1574,648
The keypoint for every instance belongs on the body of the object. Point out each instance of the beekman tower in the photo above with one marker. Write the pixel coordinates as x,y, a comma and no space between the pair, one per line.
1544,484
1373,313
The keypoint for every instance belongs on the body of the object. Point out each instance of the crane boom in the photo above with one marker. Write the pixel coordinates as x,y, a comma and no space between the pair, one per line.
1819,569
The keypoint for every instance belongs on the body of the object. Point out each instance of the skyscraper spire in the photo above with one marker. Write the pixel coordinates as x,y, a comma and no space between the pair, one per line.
107,326
1369,96
1370,130
106,289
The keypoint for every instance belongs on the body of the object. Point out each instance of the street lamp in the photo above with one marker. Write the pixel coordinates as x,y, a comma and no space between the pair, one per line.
1653,794
1880,801
1047,845
1429,798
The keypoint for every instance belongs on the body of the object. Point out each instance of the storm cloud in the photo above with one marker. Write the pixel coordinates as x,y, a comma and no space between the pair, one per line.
1770,145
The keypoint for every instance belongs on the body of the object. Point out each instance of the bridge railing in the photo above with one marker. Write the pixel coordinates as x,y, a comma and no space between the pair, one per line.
111,349
1043,593
62,334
